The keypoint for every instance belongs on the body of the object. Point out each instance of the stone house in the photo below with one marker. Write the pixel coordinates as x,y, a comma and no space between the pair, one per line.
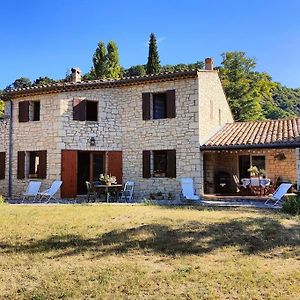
152,130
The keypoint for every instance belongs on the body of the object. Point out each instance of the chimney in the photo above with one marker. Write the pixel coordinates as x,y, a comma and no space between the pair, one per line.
75,75
209,64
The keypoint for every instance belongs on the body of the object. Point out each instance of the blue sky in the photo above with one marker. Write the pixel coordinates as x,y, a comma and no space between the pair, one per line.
45,38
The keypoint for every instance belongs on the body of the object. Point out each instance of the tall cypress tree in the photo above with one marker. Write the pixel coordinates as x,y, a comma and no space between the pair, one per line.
113,63
99,61
153,64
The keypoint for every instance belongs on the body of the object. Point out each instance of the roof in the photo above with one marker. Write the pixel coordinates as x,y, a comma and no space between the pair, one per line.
96,84
257,134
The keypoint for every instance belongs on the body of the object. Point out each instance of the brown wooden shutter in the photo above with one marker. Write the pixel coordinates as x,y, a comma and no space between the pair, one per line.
21,165
171,163
79,109
24,111
69,170
115,164
146,164
2,165
146,106
171,106
42,170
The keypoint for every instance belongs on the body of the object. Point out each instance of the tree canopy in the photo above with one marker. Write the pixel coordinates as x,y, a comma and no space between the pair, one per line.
153,63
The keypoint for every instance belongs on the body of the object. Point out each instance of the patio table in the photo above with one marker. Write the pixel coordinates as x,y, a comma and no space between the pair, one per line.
256,182
107,189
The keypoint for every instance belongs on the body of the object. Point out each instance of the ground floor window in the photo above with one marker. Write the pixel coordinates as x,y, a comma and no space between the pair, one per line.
2,165
246,161
159,163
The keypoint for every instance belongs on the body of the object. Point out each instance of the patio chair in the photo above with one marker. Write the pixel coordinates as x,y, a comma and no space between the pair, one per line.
127,192
279,193
238,185
32,190
49,193
188,189
90,191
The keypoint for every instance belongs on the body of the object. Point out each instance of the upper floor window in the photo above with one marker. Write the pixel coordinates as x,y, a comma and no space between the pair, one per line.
29,111
85,110
159,105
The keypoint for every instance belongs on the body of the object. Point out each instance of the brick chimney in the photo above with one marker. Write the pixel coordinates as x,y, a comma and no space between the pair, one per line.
209,64
75,75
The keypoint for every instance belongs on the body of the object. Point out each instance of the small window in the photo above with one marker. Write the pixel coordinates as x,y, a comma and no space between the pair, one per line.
259,161
29,111
159,106
34,163
159,163
91,111
36,110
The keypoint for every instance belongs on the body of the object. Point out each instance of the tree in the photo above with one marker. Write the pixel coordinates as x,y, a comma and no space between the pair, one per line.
247,91
153,64
113,68
19,83
43,80
99,61
138,70
1,105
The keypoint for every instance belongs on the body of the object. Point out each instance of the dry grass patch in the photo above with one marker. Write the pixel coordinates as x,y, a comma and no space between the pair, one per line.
147,252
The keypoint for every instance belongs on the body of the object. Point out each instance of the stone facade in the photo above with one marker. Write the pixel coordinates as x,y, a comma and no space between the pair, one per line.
228,162
121,127
4,138
298,166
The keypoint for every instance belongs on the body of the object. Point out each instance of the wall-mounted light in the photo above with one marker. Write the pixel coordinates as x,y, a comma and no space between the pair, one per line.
92,141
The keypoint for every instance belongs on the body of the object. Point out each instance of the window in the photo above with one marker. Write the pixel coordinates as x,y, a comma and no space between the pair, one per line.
2,165
245,161
159,105
159,163
32,164
85,110
29,111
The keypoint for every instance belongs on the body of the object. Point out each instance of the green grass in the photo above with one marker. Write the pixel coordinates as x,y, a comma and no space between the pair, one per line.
147,252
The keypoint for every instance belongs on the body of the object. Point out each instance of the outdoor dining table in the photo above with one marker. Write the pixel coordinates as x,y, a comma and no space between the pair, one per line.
256,182
107,188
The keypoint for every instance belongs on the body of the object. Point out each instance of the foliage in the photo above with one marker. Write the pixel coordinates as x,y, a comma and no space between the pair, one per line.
113,69
22,82
153,63
138,70
291,205
99,61
43,80
1,105
198,65
2,200
107,179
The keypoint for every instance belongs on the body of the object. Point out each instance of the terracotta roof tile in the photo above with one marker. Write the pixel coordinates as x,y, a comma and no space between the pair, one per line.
277,133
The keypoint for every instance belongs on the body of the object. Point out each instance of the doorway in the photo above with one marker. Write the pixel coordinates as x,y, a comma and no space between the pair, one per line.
83,174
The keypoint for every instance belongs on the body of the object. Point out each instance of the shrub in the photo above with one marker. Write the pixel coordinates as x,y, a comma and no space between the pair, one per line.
292,205
2,200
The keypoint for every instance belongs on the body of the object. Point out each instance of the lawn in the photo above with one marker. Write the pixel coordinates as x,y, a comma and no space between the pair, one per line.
147,252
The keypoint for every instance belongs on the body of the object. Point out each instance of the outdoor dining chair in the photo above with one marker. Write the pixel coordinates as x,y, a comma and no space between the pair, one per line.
127,192
49,193
32,190
90,191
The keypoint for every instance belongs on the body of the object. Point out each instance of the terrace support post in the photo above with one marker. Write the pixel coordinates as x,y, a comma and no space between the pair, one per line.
298,167
10,151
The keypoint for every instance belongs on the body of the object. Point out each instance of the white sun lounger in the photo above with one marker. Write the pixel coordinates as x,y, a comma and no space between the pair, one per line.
32,190
279,193
49,193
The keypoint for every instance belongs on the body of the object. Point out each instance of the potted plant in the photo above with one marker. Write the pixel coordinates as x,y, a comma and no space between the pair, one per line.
253,170
107,179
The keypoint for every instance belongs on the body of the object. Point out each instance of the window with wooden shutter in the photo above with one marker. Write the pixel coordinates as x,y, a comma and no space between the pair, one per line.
171,163
171,106
2,165
79,109
146,164
21,165
146,106
24,111
42,167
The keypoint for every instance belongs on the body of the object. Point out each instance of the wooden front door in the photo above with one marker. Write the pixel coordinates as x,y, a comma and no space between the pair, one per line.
69,173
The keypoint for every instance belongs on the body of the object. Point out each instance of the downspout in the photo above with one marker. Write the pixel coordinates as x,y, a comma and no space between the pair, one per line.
10,151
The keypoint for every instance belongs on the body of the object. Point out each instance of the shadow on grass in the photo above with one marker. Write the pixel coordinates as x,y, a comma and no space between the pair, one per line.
251,236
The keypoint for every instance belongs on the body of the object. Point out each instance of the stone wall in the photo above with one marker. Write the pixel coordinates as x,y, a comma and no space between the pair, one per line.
298,167
4,144
228,162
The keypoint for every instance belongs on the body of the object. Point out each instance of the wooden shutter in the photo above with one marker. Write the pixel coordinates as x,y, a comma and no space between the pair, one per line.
24,111
21,165
69,173
171,163
146,106
171,106
115,164
42,170
79,109
2,165
146,164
